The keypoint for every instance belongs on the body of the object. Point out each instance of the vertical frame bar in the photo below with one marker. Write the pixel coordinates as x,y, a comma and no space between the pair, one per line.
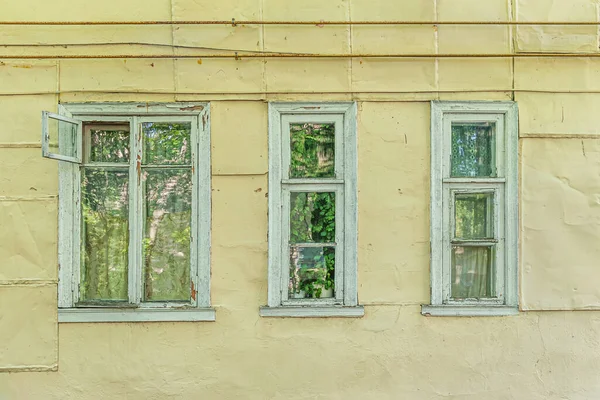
340,248
436,205
350,210
511,202
136,216
203,167
275,206
285,243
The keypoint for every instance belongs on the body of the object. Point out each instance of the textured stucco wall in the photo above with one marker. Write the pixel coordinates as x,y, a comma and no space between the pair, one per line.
551,350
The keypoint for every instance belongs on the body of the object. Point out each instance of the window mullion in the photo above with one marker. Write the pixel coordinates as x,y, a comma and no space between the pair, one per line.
135,215
77,233
448,227
194,238
285,241
339,279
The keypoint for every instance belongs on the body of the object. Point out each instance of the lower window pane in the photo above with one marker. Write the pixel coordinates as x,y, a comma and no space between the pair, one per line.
472,272
105,235
312,272
167,235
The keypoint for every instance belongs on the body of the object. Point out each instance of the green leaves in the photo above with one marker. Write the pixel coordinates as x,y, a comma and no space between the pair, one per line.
312,150
167,143
312,217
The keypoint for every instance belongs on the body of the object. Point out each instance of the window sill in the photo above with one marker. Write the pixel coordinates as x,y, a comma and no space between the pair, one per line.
135,315
468,311
313,312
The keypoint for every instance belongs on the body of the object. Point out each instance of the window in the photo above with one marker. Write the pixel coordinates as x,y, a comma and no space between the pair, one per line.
134,211
473,208
312,210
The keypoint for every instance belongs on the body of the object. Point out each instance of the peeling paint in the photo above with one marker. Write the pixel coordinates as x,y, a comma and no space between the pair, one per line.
193,108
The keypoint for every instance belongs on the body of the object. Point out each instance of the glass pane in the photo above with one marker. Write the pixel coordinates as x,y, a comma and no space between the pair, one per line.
474,215
108,144
62,138
472,272
312,217
167,143
105,234
312,272
312,150
167,234
472,149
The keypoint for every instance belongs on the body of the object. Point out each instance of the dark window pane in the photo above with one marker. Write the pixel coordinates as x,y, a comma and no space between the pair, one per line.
472,272
105,235
167,235
167,143
474,215
472,150
312,272
312,217
312,150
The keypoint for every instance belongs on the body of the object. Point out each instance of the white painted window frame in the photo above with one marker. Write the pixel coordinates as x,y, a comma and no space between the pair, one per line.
69,217
345,301
505,218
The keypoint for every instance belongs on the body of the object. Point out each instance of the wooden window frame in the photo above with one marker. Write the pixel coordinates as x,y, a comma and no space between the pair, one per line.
345,301
505,218
69,217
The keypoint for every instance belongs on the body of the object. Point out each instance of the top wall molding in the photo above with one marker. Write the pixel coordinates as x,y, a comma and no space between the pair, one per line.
233,22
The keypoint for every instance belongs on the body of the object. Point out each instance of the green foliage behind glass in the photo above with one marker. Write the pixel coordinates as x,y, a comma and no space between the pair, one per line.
312,150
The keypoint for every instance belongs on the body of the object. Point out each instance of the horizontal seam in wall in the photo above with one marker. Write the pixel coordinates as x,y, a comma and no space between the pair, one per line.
21,145
560,136
530,310
29,282
30,368
243,174
50,197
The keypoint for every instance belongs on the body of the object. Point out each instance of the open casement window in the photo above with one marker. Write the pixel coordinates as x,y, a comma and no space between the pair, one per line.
61,136
134,212
473,208
312,210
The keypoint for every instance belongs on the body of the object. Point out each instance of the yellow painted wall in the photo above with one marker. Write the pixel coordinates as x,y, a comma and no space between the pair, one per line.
551,350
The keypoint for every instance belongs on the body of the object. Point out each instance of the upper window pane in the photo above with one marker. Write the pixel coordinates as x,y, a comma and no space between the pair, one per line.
312,150
474,216
473,150
167,143
108,143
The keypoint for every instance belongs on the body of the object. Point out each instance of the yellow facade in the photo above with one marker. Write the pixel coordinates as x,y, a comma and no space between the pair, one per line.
551,350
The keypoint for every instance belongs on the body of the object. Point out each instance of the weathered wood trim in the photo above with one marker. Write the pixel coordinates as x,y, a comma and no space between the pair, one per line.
505,200
343,114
